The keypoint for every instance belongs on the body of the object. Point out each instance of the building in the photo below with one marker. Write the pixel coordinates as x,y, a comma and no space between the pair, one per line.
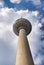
22,28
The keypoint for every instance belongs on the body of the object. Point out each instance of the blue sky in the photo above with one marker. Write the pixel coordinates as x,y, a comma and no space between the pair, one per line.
10,11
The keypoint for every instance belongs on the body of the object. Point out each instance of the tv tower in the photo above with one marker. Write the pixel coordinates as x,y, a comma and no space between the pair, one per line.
22,28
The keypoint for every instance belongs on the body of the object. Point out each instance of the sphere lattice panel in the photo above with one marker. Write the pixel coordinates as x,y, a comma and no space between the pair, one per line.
22,23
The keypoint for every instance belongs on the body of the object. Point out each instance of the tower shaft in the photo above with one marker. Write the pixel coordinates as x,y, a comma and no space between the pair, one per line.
23,53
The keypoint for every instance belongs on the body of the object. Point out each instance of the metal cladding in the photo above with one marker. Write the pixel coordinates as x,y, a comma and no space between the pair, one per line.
22,23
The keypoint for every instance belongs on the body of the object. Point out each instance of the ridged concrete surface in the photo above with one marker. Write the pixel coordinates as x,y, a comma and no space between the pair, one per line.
23,56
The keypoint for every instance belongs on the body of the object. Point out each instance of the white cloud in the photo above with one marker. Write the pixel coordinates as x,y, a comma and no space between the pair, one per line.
9,38
15,1
35,2
1,3
22,11
39,59
4,11
43,8
35,13
42,20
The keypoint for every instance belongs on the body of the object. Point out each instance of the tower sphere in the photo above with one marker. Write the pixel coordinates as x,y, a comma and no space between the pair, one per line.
22,23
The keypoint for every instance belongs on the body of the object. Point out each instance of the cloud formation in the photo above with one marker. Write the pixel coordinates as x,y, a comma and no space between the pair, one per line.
8,40
1,3
35,2
15,1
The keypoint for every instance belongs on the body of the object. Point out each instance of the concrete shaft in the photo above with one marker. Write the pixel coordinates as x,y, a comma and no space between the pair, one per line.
23,53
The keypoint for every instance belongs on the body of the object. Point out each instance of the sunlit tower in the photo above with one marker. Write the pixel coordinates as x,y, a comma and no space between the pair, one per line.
22,28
